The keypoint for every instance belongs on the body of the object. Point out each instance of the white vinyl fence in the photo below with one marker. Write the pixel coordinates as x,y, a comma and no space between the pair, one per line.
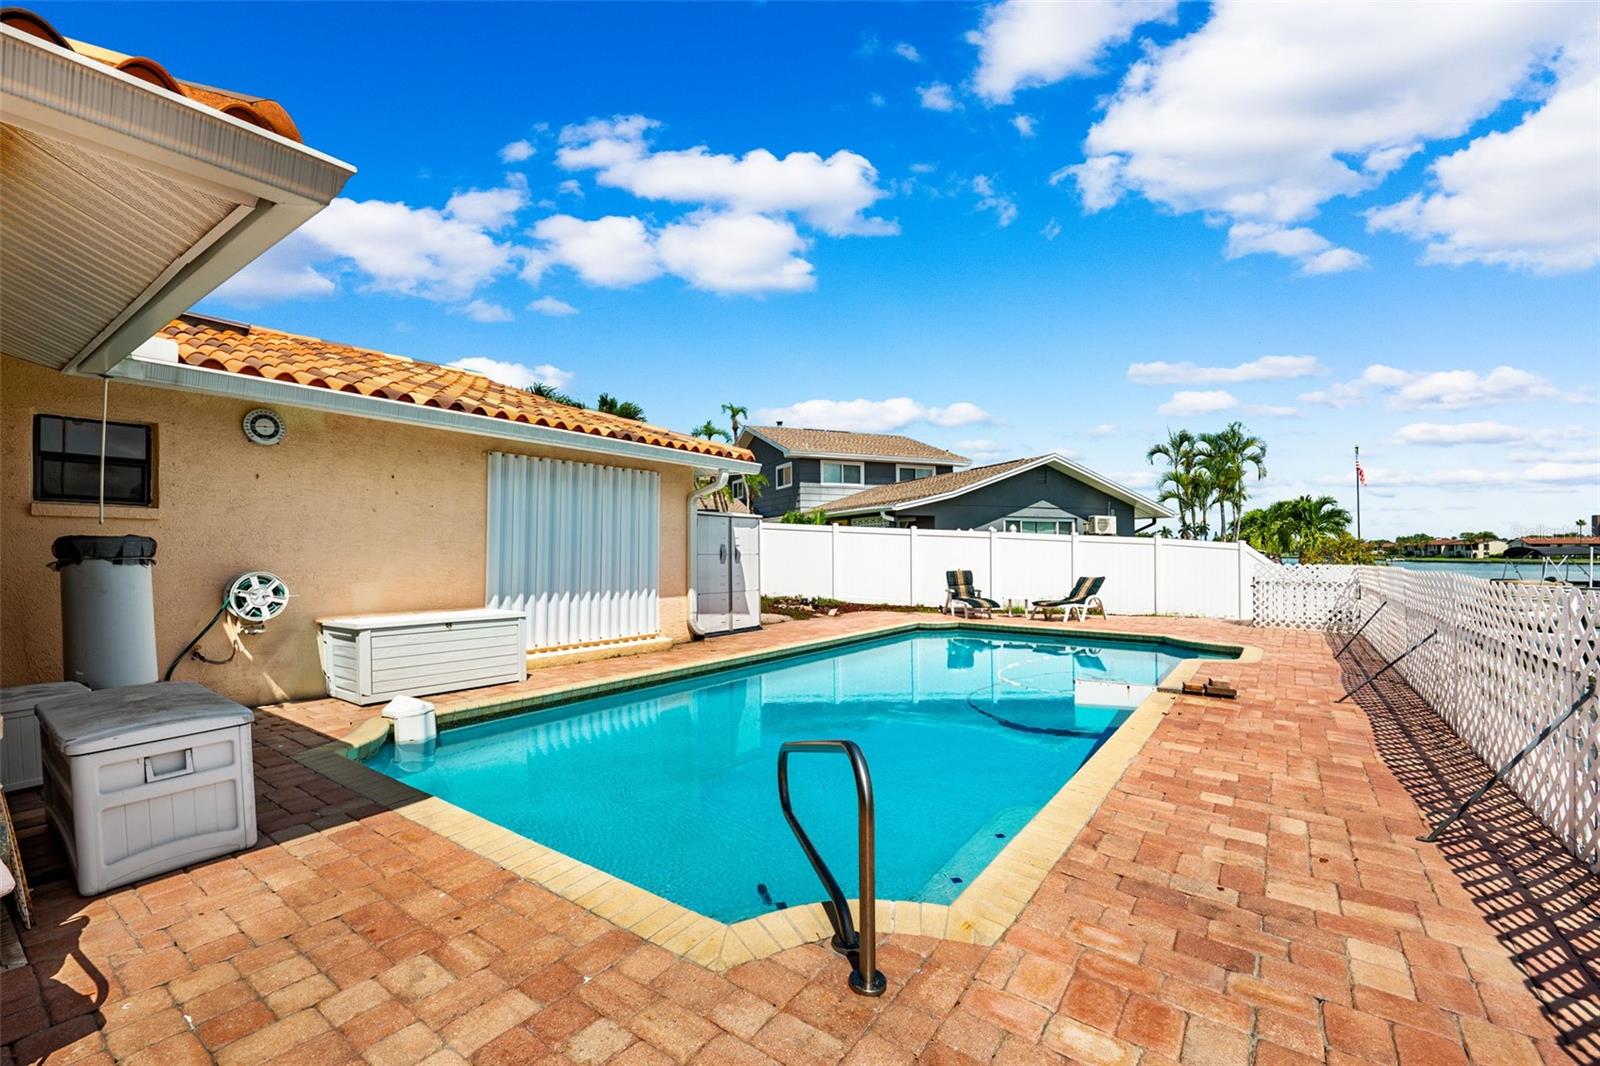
1509,657
905,567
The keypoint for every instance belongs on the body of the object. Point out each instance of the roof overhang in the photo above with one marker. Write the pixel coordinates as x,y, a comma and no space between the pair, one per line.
125,203
952,460
161,370
1143,506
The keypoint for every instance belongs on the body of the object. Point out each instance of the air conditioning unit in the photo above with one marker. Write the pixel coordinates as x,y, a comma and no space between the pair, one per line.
1103,525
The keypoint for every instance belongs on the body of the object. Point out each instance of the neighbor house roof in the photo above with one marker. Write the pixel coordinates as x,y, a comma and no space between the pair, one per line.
1561,542
255,351
843,444
257,111
906,494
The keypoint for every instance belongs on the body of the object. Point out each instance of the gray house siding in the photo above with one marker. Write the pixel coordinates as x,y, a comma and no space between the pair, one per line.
1044,493
806,489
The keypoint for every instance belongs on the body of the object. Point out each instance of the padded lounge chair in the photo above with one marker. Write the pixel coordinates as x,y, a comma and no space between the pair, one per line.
961,598
1084,597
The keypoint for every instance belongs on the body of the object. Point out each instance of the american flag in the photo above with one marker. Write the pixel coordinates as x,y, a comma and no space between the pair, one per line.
1361,475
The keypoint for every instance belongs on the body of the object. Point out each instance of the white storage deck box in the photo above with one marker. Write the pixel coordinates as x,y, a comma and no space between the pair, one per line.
20,765
144,779
376,657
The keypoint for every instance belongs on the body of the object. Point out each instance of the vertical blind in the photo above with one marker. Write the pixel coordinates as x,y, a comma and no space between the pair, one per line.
576,547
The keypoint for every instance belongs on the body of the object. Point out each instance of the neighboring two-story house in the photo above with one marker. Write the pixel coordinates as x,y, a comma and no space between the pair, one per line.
879,479
810,468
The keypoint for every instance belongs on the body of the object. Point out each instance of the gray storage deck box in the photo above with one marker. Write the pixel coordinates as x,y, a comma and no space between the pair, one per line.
376,657
20,765
144,779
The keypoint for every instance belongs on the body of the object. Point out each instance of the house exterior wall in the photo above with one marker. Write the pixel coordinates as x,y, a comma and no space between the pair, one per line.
1044,493
806,491
356,515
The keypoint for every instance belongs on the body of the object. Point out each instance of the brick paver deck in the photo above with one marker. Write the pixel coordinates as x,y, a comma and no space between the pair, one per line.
1249,892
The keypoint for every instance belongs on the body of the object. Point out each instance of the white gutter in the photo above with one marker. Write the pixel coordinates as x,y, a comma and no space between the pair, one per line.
163,374
692,614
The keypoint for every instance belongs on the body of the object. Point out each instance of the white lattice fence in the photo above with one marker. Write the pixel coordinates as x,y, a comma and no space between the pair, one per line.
1305,597
1509,657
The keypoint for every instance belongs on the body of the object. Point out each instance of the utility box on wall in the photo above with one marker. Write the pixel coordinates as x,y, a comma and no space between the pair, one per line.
372,658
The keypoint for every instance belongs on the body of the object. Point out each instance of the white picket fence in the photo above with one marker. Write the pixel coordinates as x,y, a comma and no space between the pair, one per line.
1508,658
1144,575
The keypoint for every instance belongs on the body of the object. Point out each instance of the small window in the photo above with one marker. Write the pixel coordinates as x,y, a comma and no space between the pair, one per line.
66,461
785,475
1062,527
842,473
912,473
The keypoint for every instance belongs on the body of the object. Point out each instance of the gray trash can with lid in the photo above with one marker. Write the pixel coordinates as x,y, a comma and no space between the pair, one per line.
147,778
108,615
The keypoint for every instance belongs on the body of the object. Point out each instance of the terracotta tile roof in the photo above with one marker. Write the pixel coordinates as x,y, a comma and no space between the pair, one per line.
266,114
832,442
255,351
938,485
1564,541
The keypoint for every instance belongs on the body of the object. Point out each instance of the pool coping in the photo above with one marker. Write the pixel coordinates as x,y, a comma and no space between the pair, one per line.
981,914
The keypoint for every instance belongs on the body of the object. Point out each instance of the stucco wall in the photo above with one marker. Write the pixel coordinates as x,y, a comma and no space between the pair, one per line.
355,516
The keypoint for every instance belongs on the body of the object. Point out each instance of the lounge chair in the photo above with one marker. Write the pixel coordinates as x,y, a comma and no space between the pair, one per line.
961,598
1084,597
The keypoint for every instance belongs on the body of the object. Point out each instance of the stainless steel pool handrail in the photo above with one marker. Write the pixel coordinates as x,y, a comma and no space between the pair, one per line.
861,949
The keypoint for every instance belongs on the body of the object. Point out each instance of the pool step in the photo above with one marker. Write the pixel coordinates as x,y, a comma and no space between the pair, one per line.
972,856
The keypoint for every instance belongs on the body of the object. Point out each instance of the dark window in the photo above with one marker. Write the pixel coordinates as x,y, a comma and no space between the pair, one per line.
66,461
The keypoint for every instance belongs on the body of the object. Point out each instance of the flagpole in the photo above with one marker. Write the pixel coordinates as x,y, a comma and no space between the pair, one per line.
1358,492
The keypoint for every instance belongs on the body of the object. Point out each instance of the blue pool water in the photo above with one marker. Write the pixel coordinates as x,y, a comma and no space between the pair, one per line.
673,787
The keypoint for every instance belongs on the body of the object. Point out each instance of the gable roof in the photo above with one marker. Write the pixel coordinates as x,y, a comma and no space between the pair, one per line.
255,351
905,494
844,444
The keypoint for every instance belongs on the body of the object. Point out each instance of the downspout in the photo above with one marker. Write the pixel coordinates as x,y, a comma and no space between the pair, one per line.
693,612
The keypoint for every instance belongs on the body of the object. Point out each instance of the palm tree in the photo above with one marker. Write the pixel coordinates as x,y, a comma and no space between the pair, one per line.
1225,456
1294,527
1179,483
609,404
1316,520
735,412
550,392
709,430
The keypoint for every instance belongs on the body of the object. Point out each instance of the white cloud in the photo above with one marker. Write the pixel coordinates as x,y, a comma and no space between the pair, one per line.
1024,125
1544,473
383,247
1314,252
1451,433
570,187
830,194
549,305
485,311
923,168
872,416
937,96
517,375
1448,390
908,52
981,450
1104,429
489,209
1004,208
517,152
615,251
1192,402
1266,368
1270,110
736,253
1022,44
1527,197
877,100
1052,230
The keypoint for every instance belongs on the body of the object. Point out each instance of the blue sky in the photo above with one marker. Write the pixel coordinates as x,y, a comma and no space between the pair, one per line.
1004,228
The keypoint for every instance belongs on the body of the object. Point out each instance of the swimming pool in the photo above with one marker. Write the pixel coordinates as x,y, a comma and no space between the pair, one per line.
672,787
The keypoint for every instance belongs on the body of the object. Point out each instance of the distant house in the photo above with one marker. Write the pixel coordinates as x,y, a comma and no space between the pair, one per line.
1456,548
1559,545
1041,494
810,468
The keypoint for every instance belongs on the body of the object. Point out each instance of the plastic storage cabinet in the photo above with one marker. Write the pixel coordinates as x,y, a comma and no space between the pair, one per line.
147,778
372,658
20,765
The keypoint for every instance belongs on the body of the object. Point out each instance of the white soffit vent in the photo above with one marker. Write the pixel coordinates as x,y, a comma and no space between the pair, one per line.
77,222
125,204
